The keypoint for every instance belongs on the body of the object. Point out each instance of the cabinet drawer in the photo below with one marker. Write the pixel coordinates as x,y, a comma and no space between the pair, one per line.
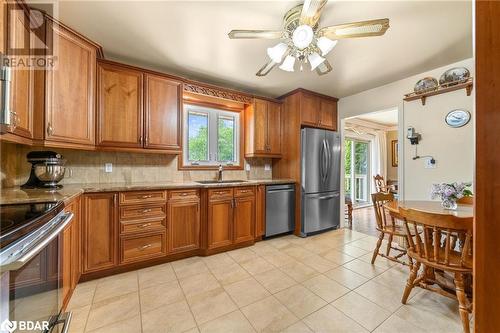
133,227
183,194
220,193
244,191
142,212
142,197
142,247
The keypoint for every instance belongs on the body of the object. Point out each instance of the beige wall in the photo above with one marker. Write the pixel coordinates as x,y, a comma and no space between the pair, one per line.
88,167
392,172
452,148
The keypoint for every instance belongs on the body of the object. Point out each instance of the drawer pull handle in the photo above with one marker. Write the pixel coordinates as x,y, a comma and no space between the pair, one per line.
184,194
147,196
145,225
220,192
146,210
244,191
142,248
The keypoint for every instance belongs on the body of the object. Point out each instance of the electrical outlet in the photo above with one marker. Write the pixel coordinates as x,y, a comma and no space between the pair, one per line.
430,163
108,167
247,167
267,167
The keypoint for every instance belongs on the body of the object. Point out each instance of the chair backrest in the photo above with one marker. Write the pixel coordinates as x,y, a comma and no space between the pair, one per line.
433,237
380,184
379,200
466,201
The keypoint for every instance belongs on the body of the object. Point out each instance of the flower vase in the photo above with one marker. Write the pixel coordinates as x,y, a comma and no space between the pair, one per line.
449,204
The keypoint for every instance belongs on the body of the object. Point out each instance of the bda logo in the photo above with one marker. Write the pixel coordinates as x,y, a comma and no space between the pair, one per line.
8,326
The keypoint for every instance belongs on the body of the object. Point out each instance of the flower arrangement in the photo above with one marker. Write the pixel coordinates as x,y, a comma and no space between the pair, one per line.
450,193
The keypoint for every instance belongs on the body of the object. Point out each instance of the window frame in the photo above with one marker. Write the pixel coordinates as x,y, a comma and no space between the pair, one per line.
213,111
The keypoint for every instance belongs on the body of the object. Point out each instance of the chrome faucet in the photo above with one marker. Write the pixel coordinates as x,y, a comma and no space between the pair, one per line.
219,173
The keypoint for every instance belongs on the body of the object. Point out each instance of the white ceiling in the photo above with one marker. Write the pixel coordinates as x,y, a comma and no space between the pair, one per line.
189,38
386,118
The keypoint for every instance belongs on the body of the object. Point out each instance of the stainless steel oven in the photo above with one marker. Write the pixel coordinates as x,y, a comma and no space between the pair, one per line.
31,270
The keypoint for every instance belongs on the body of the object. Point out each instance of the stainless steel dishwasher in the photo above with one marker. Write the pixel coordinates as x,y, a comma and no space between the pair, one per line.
280,209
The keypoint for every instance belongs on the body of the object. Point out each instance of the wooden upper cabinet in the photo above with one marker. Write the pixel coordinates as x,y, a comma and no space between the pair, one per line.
99,241
328,114
183,225
309,109
244,219
163,107
120,109
3,26
70,89
274,128
263,129
22,79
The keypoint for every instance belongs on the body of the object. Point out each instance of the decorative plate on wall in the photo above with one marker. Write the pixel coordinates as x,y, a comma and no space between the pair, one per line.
454,76
457,118
425,85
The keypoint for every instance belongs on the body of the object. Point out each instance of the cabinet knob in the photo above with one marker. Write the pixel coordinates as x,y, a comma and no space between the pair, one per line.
146,210
147,196
50,129
145,225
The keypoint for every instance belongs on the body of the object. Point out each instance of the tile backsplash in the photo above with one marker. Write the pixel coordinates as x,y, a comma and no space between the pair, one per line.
88,167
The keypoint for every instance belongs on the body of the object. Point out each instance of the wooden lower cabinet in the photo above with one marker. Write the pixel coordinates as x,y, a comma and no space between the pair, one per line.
71,252
100,211
183,226
244,219
220,223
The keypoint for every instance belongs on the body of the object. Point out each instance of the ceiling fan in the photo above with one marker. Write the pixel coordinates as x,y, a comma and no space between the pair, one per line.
302,40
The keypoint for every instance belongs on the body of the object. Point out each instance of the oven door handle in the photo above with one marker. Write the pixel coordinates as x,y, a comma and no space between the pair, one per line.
66,219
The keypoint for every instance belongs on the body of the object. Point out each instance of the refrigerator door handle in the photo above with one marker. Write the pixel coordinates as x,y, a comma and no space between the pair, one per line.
328,160
326,197
325,161
321,162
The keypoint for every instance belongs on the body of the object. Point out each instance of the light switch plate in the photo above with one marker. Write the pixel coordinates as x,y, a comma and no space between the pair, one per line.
429,165
108,167
267,167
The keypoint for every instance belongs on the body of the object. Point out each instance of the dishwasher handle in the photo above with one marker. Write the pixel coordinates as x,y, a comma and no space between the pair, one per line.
280,188
280,191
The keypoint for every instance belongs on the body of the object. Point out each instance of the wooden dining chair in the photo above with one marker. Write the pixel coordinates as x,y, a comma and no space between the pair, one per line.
386,225
381,185
435,249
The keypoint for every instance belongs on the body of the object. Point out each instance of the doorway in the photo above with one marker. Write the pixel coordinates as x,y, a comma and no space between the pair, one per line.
357,155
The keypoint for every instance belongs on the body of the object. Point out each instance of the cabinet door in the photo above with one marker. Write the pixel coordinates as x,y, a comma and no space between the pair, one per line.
66,263
70,90
220,223
163,113
99,231
260,126
309,109
120,116
22,79
274,128
328,114
183,226
244,219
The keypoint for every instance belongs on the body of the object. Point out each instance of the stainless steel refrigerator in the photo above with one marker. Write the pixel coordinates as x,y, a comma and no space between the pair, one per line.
320,178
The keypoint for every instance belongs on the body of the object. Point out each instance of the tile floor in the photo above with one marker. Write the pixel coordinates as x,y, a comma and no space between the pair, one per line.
323,283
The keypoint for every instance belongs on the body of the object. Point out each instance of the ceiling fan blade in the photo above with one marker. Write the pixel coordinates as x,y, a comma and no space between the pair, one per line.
324,68
311,11
264,70
247,34
356,29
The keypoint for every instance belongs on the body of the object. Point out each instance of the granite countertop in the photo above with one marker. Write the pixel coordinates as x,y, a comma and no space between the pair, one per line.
68,192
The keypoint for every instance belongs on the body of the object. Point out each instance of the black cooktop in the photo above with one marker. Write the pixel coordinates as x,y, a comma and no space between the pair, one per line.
18,220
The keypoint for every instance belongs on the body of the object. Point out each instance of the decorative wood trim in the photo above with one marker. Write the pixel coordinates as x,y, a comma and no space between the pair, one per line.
305,91
217,92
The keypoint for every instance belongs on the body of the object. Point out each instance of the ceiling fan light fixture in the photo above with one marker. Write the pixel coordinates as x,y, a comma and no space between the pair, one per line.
277,52
302,36
325,44
315,60
288,64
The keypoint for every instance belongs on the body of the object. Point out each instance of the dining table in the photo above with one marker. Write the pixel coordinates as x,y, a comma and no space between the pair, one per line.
427,206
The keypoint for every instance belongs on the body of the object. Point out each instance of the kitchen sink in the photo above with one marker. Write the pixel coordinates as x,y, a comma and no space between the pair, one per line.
220,182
